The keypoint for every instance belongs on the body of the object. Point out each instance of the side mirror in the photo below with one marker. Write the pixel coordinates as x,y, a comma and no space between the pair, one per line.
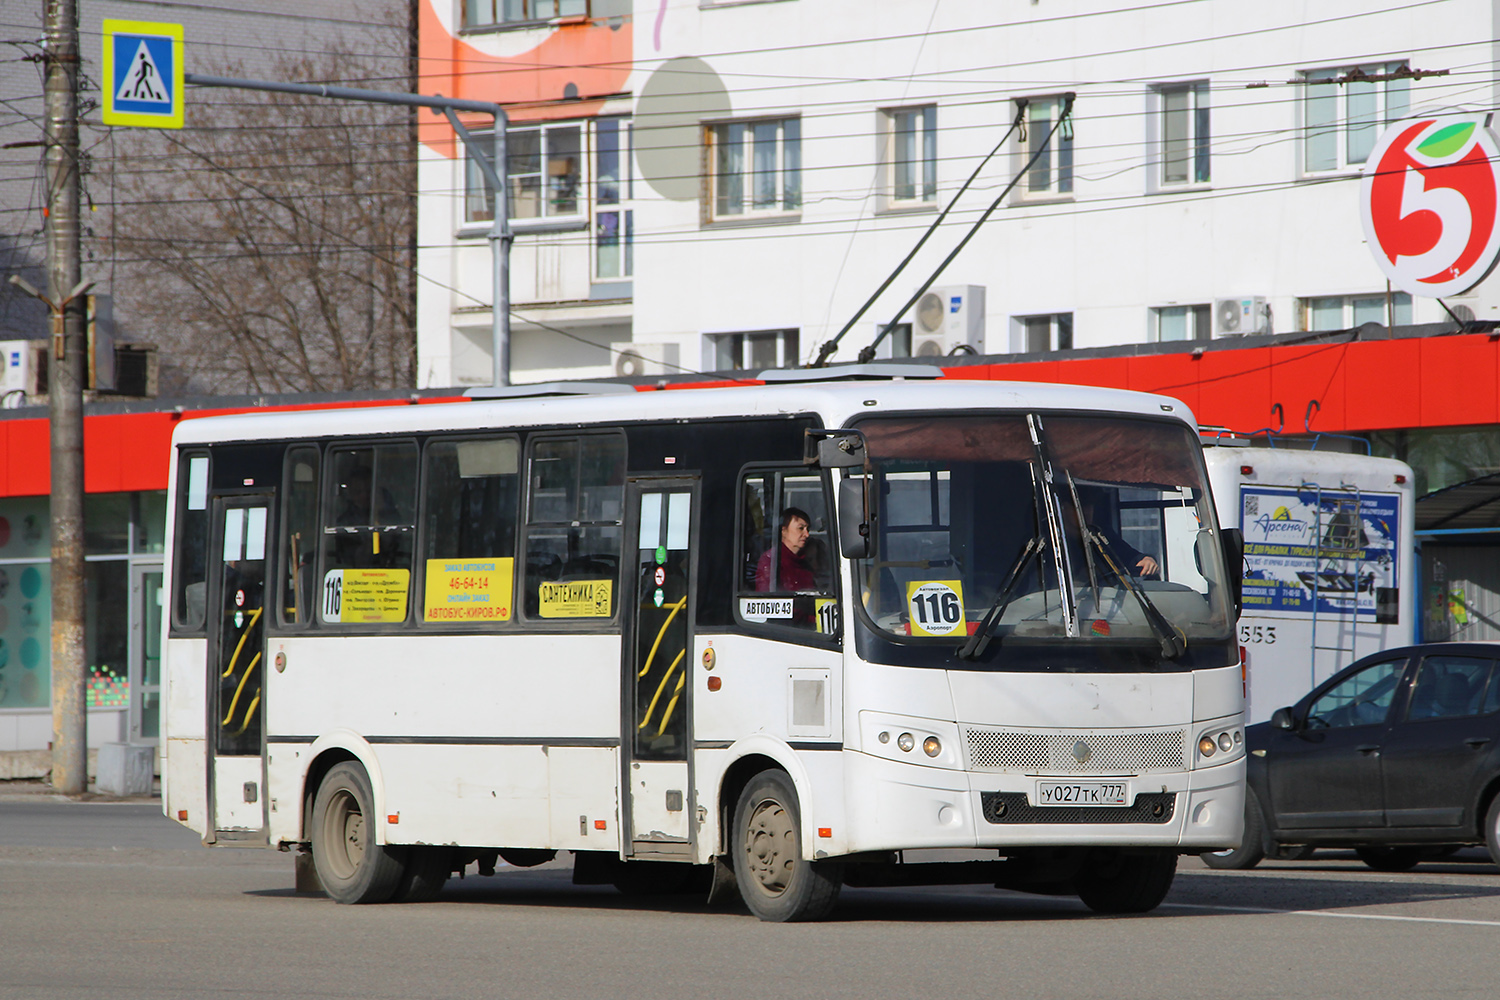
1282,719
834,450
1233,540
855,523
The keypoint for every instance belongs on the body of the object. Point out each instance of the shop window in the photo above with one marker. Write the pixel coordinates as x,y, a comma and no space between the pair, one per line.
471,501
369,524
190,575
106,608
786,556
573,527
299,535
150,513
106,523
25,644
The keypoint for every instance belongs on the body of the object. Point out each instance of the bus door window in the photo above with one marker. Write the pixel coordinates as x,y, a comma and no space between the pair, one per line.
241,630
299,535
786,551
661,626
369,524
190,575
470,504
573,528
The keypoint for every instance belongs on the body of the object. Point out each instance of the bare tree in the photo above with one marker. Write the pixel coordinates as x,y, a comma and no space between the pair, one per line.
269,247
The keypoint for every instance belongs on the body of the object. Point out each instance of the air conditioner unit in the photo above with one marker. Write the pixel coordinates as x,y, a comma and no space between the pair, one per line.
1241,316
634,360
947,320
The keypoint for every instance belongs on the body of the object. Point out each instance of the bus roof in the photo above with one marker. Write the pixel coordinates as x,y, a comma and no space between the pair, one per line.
835,402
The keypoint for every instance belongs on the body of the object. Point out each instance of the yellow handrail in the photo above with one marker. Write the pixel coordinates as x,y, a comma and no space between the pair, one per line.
249,714
254,617
666,716
652,655
235,700
651,708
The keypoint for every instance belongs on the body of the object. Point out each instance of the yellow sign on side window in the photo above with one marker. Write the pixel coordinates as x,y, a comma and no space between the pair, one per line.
576,599
365,595
468,590
936,607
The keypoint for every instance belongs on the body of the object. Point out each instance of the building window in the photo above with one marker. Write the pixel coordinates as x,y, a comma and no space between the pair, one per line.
754,351
1043,333
614,222
488,13
910,155
1343,119
1171,323
544,173
1052,173
1183,141
756,167
1345,312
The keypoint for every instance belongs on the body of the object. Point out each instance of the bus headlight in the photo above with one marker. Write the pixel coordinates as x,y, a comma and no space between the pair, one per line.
931,747
905,741
1221,743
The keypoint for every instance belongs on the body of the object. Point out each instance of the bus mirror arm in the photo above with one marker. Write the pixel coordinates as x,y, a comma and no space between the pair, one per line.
839,448
854,519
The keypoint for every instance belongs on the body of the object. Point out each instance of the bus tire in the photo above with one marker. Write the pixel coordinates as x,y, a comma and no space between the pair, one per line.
427,870
777,883
352,868
1252,845
1122,882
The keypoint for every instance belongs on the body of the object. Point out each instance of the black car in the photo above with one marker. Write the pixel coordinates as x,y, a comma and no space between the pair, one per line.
1393,756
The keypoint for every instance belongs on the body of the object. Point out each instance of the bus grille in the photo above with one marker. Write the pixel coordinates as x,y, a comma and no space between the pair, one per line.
1054,753
1013,807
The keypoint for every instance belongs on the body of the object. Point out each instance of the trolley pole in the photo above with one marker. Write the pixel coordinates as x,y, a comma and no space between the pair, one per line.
65,370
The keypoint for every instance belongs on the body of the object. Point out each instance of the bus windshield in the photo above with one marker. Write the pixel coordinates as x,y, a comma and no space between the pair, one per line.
1043,526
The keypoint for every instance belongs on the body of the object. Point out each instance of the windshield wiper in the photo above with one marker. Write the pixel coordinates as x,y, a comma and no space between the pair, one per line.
981,637
1173,641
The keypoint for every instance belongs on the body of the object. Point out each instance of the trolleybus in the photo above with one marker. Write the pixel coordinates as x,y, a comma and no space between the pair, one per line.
768,640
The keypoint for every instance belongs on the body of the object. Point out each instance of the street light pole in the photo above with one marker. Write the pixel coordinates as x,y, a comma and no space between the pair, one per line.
65,397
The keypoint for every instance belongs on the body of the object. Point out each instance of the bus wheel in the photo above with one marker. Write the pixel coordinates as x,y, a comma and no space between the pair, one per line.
1127,883
776,882
1251,849
427,870
352,868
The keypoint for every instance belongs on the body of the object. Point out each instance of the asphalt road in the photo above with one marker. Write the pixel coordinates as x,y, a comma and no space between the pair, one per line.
112,900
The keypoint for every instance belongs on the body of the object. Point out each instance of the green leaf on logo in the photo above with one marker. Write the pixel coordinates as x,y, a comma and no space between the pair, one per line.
1447,141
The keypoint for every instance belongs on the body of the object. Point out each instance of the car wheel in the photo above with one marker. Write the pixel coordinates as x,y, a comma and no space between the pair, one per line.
1492,830
776,882
1250,852
351,866
1118,882
1390,859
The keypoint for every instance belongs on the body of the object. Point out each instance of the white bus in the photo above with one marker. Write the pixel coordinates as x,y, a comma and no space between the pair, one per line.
1328,572
772,639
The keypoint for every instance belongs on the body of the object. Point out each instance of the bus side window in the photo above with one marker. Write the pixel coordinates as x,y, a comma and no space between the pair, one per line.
299,535
786,549
470,504
369,526
576,499
190,575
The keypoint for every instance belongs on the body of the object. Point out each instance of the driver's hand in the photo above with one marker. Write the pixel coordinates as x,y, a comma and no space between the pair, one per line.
1147,566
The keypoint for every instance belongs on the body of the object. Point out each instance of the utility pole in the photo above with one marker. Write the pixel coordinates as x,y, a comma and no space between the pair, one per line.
65,397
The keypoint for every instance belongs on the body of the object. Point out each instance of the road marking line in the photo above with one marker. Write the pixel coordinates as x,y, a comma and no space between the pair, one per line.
1329,913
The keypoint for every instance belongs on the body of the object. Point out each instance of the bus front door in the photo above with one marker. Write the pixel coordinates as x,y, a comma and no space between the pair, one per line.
662,521
236,668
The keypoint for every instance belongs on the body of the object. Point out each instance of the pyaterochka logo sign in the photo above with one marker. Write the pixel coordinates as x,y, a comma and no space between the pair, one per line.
1429,204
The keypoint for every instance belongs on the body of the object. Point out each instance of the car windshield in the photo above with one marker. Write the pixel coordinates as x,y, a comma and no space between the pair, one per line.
1043,526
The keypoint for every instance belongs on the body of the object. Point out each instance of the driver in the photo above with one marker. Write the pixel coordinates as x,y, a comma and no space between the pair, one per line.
792,570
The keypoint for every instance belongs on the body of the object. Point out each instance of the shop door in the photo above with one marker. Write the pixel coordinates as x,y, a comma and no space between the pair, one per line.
145,653
236,667
659,579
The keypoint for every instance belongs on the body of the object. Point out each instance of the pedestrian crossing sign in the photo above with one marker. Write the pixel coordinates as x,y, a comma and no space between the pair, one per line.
142,74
